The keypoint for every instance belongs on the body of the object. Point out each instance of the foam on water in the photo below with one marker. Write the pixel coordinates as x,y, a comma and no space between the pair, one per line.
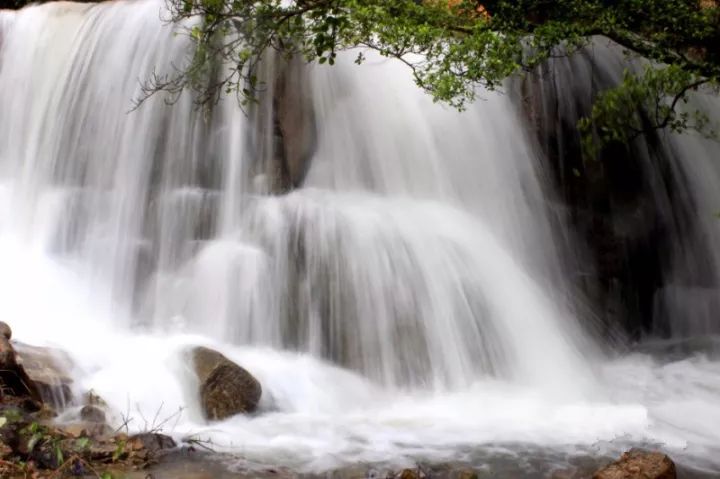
317,416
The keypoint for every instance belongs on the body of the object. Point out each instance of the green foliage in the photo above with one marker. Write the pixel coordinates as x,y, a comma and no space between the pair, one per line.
653,99
453,47
119,451
82,443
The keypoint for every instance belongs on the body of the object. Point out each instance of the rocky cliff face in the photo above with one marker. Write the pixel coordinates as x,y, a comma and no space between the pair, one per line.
633,210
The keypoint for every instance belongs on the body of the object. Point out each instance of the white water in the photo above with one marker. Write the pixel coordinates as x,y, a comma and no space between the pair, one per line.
416,257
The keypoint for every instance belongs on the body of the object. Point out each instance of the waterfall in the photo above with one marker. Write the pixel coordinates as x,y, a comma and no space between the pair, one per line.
394,272
386,260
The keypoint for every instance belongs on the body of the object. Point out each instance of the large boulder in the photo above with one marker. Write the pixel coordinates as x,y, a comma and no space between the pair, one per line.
637,464
295,124
226,389
49,370
16,387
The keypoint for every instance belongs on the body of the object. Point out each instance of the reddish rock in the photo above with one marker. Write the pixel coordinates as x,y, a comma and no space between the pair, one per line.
410,474
637,464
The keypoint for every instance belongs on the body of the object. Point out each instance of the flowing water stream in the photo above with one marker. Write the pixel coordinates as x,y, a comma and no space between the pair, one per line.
406,302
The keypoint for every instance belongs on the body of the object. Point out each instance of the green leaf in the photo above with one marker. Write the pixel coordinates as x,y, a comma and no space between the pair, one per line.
59,455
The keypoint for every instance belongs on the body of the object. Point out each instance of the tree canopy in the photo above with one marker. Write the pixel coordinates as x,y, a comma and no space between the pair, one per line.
453,46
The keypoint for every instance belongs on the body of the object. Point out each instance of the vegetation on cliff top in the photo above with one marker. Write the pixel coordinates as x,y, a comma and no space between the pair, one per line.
452,47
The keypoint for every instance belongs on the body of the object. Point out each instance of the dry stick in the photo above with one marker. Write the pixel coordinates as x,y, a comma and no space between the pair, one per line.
160,426
157,413
126,421
202,443
142,416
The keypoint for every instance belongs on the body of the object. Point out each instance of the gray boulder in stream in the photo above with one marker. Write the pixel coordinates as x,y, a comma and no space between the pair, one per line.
225,388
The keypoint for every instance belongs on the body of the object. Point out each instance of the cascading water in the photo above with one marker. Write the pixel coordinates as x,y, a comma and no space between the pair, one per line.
405,301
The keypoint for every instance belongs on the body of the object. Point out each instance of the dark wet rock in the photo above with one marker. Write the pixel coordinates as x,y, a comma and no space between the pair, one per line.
226,389
16,387
92,414
48,369
294,124
637,464
632,219
8,357
5,330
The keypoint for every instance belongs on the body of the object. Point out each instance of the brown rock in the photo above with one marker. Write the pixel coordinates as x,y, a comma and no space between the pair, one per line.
464,474
410,474
92,414
151,442
16,387
49,370
295,123
8,358
637,464
86,429
103,451
92,399
226,389
5,330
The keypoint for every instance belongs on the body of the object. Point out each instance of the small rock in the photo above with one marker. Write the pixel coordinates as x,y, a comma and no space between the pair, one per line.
464,474
102,451
5,330
410,474
226,389
637,464
92,414
92,399
86,429
151,442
